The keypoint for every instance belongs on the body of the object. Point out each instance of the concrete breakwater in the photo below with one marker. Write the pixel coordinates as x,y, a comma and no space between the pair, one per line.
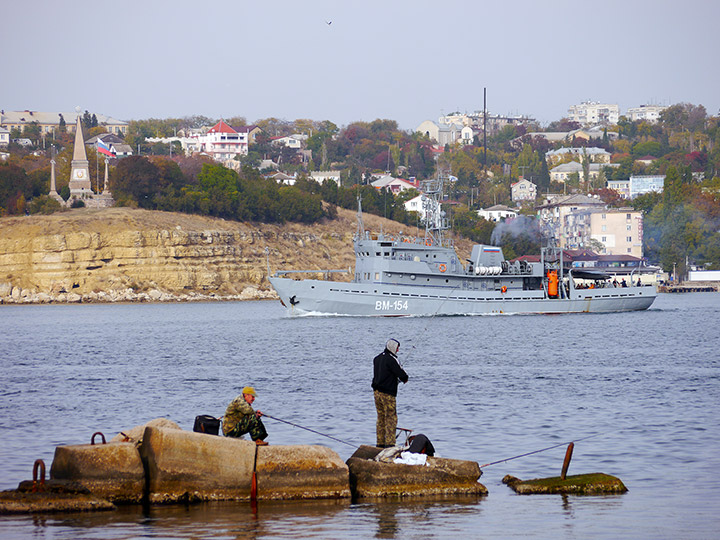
169,465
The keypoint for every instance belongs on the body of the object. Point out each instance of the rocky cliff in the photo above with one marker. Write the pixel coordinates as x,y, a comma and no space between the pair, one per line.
122,254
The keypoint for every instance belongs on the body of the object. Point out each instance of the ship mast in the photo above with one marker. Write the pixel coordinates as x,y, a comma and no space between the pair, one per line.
360,233
435,221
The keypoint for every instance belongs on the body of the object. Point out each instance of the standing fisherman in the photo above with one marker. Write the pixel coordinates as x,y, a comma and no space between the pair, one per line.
240,418
386,373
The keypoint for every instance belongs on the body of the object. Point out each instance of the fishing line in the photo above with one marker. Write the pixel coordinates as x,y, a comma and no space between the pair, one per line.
427,325
538,451
308,429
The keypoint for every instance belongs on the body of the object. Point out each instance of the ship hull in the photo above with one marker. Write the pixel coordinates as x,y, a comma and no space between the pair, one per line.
303,297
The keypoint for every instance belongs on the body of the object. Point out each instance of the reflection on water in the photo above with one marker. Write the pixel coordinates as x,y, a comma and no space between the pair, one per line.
307,519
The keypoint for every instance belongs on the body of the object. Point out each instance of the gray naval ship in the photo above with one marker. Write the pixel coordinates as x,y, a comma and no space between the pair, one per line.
423,276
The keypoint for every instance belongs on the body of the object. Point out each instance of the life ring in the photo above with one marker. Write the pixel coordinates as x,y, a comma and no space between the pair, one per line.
503,289
442,267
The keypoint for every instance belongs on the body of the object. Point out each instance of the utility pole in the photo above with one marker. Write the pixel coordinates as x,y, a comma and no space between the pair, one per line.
485,127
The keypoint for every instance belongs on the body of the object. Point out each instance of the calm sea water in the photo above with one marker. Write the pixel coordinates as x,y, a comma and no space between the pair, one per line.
482,388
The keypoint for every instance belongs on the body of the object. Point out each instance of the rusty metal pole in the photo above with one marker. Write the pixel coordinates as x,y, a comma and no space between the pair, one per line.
566,463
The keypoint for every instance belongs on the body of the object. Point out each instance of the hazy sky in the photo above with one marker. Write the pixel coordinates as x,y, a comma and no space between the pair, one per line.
404,60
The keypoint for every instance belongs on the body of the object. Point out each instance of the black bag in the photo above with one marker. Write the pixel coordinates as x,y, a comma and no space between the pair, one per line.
420,444
206,424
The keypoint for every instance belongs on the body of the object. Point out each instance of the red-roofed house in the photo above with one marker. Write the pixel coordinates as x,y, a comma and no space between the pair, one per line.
396,185
223,143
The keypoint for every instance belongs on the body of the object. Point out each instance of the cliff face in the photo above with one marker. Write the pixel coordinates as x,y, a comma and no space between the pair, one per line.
122,254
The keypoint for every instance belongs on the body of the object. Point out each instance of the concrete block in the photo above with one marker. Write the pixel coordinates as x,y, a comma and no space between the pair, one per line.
301,472
441,476
579,484
112,471
184,466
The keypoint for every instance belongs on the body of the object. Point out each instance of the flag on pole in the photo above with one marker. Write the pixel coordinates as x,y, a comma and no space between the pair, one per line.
104,149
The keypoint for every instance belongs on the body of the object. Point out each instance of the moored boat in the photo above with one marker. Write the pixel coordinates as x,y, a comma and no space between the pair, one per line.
423,276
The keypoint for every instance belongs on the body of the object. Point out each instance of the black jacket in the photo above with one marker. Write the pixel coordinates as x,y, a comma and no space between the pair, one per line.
386,373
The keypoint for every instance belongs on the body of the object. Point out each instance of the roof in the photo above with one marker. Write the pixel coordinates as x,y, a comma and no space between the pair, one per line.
106,138
246,129
18,117
521,181
582,150
575,199
499,208
387,180
221,127
571,167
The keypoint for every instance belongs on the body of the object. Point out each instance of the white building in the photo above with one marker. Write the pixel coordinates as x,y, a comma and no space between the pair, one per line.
497,212
322,176
594,155
523,190
552,214
443,133
562,173
4,136
590,113
395,185
645,183
649,113
291,141
417,204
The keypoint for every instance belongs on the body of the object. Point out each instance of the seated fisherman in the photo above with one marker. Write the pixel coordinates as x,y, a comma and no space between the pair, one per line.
240,418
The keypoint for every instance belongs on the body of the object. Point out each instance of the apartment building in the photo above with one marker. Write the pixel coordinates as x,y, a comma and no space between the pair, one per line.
49,122
590,113
619,230
648,113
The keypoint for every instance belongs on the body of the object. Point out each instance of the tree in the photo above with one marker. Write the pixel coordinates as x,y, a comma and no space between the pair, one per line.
136,177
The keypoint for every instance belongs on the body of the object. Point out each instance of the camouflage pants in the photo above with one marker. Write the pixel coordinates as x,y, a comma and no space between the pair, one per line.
386,418
249,424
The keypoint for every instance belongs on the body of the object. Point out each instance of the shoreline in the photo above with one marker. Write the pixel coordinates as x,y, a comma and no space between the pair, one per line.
129,296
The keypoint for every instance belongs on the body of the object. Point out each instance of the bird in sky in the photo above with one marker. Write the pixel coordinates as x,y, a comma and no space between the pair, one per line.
328,23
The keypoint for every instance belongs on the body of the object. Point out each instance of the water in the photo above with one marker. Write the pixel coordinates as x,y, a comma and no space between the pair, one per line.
482,388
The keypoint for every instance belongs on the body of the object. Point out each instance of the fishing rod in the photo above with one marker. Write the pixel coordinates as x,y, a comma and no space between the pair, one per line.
308,429
538,451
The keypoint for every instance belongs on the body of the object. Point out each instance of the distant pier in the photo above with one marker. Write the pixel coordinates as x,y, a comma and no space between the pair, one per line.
690,286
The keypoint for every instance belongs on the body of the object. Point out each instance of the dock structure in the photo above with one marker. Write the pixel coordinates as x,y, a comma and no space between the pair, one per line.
690,286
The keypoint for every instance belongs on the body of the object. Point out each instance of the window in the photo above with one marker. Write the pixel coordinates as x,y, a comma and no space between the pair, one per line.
628,216
628,238
604,239
603,216
629,228
604,228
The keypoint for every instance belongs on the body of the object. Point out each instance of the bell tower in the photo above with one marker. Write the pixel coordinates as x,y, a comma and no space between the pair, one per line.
79,185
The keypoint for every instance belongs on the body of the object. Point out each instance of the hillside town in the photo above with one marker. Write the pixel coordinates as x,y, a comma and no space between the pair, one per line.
600,183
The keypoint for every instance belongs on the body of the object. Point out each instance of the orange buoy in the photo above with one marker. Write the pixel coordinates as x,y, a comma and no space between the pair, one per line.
504,289
442,267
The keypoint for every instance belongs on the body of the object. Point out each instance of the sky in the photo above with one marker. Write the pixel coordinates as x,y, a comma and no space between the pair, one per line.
348,61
